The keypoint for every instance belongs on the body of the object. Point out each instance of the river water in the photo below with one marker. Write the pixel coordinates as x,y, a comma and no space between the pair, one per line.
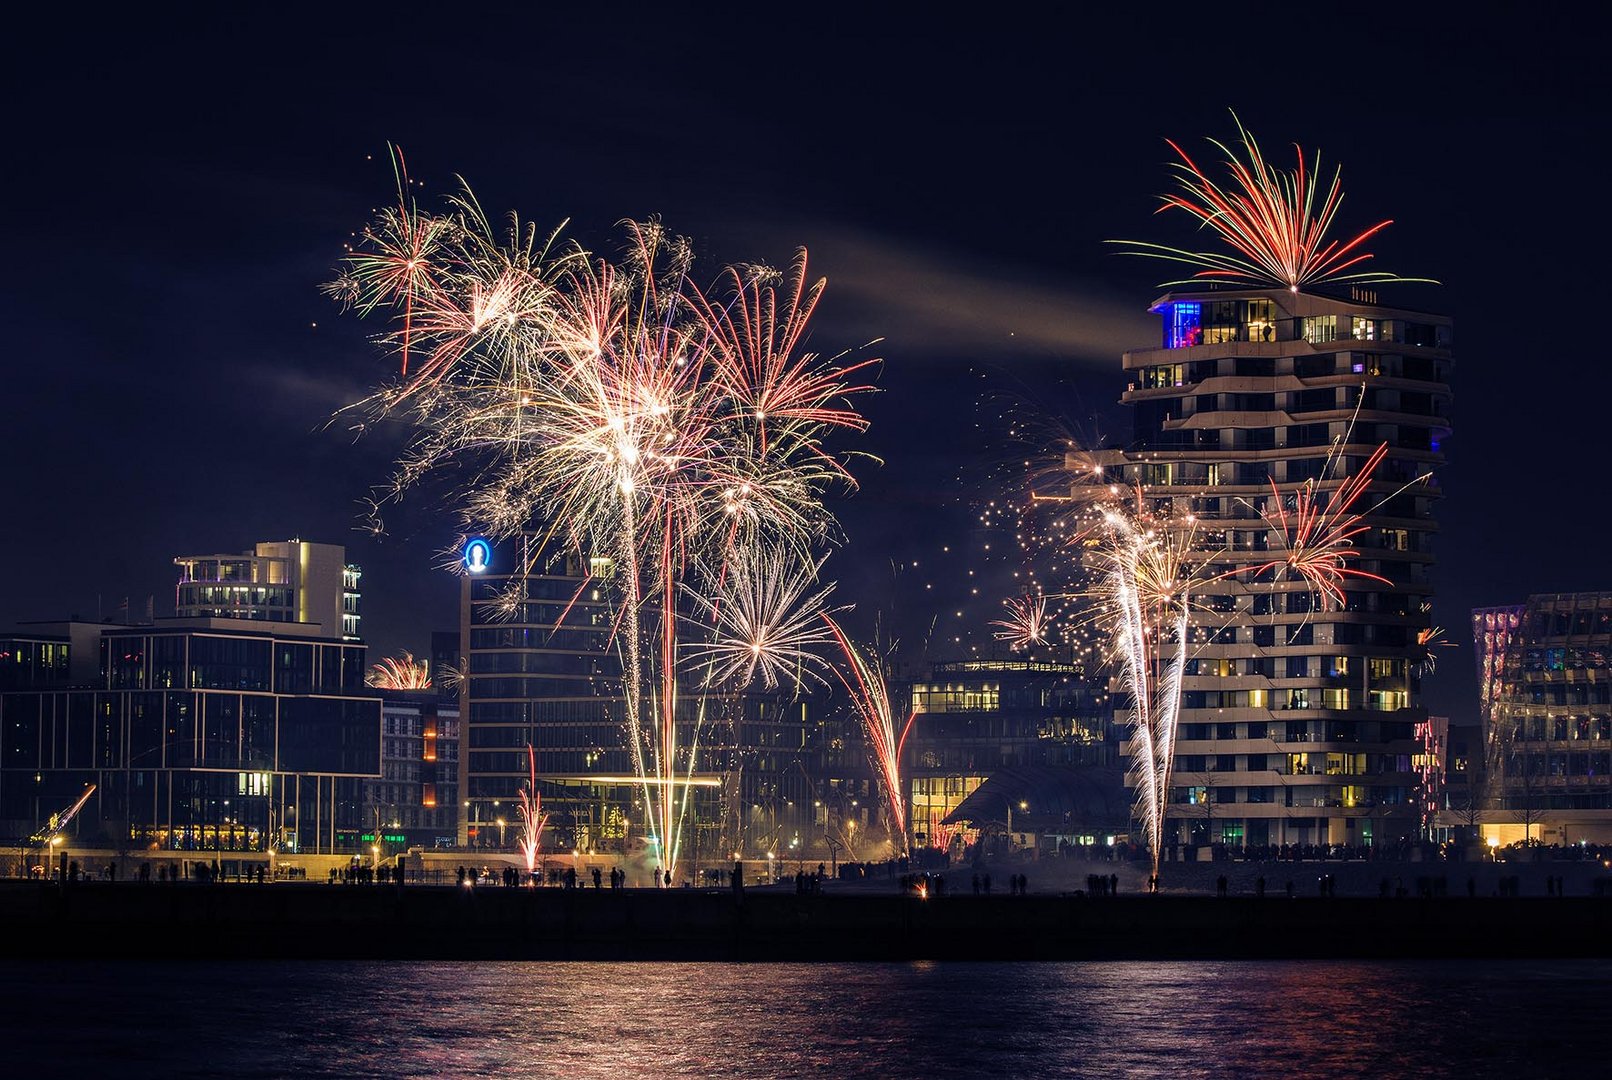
1335,1019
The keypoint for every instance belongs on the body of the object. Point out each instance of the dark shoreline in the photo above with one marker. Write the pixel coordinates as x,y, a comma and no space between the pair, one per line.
281,921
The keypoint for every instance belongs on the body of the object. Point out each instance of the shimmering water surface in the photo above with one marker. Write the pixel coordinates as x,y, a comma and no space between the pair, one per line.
1332,1019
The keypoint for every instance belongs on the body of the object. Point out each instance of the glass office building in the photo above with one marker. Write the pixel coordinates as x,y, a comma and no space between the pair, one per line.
198,735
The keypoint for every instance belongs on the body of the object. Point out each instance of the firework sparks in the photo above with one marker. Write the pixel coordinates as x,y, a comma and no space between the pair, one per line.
1317,534
532,816
864,679
59,821
765,621
677,432
1026,624
1147,574
941,834
399,673
1274,222
1429,639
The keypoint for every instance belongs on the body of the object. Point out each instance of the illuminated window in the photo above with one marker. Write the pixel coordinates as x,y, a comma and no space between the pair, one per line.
1261,320
1162,375
1183,325
1321,328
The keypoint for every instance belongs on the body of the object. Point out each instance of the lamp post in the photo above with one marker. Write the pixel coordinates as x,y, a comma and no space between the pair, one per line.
1023,806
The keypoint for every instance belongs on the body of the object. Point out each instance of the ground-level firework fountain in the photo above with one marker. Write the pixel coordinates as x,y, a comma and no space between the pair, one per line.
864,680
1148,563
533,818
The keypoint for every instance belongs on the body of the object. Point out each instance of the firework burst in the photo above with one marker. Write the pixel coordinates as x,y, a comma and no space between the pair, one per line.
399,673
1274,222
676,432
1317,534
1430,639
1027,623
765,620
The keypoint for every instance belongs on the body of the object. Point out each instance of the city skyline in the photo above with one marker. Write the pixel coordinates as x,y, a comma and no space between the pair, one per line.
184,405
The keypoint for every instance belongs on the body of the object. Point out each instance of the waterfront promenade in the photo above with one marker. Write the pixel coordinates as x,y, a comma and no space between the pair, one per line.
280,920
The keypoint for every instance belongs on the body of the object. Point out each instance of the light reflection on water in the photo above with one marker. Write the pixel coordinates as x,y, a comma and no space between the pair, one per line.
1338,1019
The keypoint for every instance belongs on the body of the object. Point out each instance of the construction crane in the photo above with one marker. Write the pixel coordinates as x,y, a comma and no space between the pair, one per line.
48,832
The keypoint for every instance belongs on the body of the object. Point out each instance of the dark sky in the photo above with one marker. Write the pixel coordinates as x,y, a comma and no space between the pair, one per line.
179,186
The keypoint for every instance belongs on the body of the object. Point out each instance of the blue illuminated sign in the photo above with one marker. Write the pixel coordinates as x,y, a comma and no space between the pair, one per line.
478,555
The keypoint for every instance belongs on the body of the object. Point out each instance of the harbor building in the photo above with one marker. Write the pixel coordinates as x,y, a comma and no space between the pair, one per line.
542,671
1020,747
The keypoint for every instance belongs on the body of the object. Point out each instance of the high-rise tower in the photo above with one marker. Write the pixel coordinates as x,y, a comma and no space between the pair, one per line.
1297,724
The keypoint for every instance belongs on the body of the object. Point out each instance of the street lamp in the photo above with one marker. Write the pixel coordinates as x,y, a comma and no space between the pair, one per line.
1023,805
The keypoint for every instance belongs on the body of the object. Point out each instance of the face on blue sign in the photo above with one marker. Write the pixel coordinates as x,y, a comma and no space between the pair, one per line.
478,555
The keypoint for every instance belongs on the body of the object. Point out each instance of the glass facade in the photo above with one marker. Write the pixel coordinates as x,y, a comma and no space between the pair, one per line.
542,670
197,739
1548,698
32,663
976,718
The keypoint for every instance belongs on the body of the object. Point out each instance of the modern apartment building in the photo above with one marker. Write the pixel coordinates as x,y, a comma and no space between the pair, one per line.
1298,724
289,581
415,802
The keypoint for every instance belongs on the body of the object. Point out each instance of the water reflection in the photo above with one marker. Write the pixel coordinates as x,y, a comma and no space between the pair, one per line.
1337,1019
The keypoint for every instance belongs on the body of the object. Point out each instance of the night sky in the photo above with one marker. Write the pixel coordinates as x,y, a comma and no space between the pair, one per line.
178,189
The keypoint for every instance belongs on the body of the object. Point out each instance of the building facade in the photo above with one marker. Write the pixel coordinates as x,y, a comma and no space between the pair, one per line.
1029,731
1298,725
541,670
289,581
415,802
33,661
1546,688
538,672
199,735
